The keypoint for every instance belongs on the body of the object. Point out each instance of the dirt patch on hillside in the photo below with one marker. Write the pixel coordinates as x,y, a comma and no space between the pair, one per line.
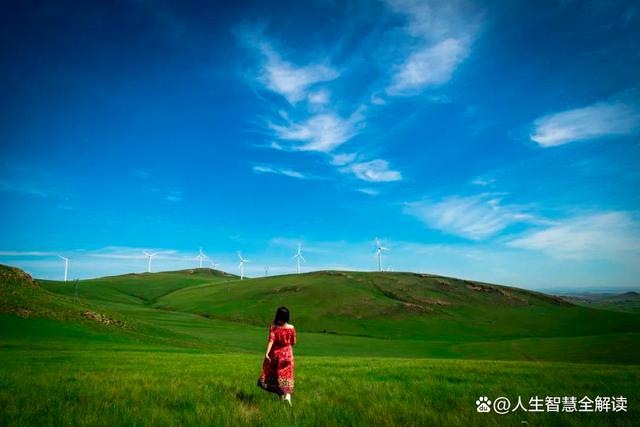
285,289
97,317
24,312
478,287
415,308
508,296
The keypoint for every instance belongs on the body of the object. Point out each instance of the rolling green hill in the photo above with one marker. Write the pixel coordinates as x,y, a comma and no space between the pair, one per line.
185,347
139,288
366,314
398,306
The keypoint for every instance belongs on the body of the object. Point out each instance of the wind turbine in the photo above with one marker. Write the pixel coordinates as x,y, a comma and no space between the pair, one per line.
298,256
66,265
149,256
201,256
266,271
214,264
379,250
241,265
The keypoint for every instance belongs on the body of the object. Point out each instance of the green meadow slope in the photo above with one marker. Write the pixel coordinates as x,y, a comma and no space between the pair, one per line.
139,288
366,314
186,348
398,306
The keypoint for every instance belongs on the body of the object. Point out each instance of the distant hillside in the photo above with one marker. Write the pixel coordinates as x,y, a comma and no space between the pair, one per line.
627,301
139,288
395,305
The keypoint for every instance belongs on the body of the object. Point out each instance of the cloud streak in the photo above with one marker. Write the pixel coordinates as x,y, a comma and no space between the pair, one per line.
279,171
472,217
442,34
374,171
291,81
321,132
27,253
429,66
609,235
602,119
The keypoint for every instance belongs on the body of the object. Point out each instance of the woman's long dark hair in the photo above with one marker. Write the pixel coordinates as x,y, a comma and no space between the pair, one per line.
282,316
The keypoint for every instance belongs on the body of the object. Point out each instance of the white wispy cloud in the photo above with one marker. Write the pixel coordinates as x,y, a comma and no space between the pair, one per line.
27,253
319,97
343,158
473,217
606,118
432,65
279,171
374,171
321,132
125,252
376,99
442,33
609,235
483,182
369,191
291,81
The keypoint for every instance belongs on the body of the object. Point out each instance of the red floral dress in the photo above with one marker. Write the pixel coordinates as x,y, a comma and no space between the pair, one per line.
277,373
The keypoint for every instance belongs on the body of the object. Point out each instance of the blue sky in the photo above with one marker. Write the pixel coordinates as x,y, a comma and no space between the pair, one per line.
487,140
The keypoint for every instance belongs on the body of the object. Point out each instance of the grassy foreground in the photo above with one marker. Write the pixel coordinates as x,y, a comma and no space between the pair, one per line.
174,388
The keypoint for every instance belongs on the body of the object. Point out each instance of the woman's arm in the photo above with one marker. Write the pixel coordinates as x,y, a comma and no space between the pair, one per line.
272,338
269,345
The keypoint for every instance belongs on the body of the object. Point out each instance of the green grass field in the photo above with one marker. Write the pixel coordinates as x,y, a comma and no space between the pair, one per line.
374,349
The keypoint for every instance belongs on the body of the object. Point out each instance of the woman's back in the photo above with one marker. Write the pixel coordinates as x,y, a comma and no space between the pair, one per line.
281,336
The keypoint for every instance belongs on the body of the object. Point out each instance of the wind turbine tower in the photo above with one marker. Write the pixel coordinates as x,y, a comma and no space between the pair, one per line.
66,265
201,256
241,265
149,256
379,250
298,256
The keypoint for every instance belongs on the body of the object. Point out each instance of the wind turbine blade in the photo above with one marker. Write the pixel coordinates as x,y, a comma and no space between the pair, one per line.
302,258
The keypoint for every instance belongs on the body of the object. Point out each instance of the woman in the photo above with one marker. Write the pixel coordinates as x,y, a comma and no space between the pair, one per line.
277,368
